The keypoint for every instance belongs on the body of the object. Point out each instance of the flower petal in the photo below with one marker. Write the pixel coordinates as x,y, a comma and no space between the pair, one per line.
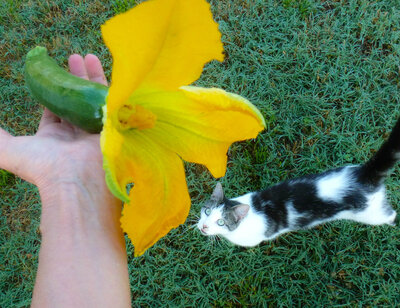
159,199
200,124
162,43
117,174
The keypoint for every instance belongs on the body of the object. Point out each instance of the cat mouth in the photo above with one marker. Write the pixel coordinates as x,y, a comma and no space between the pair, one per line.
203,232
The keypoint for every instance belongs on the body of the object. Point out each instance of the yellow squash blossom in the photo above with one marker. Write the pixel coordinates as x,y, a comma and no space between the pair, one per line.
153,119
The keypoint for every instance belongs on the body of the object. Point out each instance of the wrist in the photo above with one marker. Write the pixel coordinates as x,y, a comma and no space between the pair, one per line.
74,206
82,249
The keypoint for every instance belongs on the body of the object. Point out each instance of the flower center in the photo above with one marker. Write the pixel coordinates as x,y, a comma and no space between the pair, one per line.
136,117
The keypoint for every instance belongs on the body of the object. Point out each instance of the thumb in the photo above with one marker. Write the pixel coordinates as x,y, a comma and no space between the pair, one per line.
8,156
5,139
3,133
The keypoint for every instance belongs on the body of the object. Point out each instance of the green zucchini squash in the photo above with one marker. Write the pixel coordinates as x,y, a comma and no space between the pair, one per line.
74,99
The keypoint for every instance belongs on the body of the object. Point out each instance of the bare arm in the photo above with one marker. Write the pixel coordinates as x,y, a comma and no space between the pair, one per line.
82,259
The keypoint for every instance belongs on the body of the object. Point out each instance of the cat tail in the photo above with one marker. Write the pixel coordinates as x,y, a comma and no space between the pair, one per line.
377,168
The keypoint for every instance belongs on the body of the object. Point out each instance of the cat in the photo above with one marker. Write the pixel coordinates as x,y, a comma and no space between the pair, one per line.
355,192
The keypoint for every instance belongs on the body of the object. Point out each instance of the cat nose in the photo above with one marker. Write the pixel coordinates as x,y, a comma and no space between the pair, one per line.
204,229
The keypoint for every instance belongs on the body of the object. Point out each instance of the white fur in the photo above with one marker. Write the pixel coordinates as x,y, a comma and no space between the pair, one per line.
250,232
376,213
245,199
334,186
293,215
209,223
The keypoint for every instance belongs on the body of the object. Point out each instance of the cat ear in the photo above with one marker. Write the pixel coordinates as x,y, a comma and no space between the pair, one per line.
240,211
218,193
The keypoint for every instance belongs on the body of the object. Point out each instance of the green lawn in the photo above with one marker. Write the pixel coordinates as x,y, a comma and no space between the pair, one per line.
325,74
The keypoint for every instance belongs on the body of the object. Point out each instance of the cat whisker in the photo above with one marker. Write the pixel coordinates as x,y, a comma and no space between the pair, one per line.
192,220
189,228
220,243
214,240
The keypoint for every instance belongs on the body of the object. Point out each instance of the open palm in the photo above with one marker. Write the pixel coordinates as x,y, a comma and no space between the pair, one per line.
58,149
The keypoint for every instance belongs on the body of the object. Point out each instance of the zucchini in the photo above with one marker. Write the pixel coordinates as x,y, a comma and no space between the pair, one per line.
74,99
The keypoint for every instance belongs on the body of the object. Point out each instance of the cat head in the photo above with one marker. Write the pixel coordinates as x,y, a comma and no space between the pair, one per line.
220,216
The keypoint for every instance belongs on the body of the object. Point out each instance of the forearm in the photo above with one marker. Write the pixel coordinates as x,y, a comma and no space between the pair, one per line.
82,260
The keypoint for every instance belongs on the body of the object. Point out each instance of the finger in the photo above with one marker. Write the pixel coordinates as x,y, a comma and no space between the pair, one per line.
48,118
77,66
95,69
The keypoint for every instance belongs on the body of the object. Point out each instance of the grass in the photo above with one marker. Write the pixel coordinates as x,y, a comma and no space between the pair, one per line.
325,74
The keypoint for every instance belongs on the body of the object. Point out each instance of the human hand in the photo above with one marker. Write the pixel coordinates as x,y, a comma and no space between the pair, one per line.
82,249
59,152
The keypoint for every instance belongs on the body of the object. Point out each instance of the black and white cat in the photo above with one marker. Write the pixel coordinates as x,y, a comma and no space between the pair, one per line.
352,192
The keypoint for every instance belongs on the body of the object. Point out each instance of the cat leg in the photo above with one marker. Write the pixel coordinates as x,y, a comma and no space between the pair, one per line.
377,210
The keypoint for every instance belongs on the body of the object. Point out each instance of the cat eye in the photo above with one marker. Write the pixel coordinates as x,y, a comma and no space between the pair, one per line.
207,211
220,222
